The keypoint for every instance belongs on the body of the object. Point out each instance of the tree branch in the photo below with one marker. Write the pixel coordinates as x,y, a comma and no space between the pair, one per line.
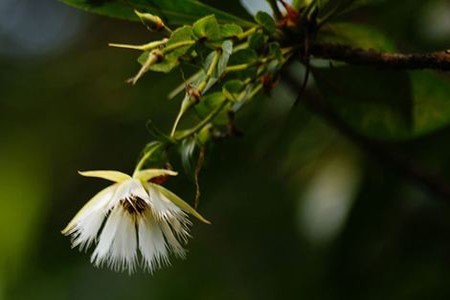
435,60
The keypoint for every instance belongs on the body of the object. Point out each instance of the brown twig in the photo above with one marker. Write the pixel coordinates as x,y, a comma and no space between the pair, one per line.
198,167
435,60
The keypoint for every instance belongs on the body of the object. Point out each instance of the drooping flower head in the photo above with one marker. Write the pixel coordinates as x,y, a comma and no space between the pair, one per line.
134,222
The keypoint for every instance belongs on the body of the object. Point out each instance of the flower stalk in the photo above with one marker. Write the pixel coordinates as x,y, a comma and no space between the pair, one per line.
193,95
145,47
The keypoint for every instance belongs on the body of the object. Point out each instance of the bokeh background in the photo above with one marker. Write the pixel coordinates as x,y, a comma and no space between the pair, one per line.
298,211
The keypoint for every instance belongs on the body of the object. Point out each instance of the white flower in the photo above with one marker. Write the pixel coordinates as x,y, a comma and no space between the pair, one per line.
144,222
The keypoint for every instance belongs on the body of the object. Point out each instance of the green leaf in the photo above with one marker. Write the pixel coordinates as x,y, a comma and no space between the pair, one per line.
300,3
181,34
177,12
230,30
203,136
157,133
154,152
356,35
387,104
266,21
257,41
184,33
187,149
274,67
377,103
209,103
232,89
226,50
275,51
431,93
340,7
170,60
207,28
166,65
245,56
250,90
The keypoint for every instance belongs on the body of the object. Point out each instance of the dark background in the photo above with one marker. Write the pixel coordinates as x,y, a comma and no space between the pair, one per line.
298,211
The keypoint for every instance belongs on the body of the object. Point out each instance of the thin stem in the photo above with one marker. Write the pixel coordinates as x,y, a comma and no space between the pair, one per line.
255,91
167,29
178,45
144,158
242,67
237,68
152,58
182,86
203,122
144,47
241,46
247,33
187,102
213,65
184,107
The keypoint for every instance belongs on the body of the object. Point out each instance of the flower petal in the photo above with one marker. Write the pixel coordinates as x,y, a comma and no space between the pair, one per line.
102,251
166,212
96,205
162,207
151,242
179,202
123,251
114,176
146,175
172,241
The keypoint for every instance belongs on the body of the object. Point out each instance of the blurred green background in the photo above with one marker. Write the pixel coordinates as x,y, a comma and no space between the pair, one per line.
298,211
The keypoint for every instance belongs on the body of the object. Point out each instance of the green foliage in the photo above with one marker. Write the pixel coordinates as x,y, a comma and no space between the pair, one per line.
356,35
171,59
275,51
257,41
225,53
158,135
207,28
431,92
209,103
376,103
187,149
339,7
184,33
232,89
245,56
386,104
266,21
230,30
177,12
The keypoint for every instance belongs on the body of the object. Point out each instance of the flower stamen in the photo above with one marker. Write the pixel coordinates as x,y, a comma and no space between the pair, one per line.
134,205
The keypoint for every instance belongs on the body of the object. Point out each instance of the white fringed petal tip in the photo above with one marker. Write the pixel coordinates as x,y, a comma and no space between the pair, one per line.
144,222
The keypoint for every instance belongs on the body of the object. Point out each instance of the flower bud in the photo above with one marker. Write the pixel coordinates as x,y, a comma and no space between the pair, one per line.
153,23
